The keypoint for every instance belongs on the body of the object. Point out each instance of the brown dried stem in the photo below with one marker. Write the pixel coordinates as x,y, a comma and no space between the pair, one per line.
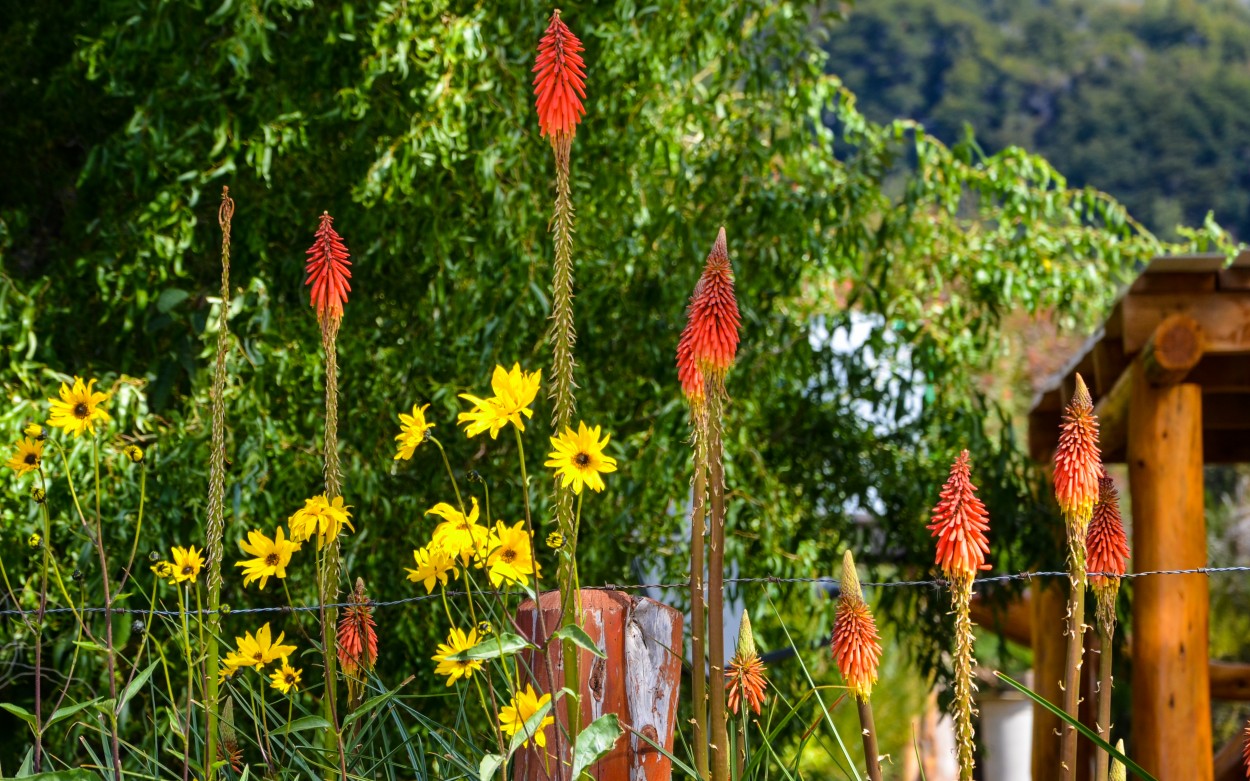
868,730
1075,632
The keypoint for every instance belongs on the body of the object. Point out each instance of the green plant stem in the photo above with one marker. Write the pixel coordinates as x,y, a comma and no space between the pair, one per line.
110,659
698,617
134,545
868,730
572,606
1075,631
186,647
452,476
1102,760
719,734
539,621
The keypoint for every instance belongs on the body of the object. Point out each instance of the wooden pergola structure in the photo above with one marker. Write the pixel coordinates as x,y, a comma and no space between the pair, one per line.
1170,375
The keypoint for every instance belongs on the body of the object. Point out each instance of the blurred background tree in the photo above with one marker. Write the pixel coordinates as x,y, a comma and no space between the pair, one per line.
876,265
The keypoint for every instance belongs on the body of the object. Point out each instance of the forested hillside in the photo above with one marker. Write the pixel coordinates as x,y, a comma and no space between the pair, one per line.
1147,101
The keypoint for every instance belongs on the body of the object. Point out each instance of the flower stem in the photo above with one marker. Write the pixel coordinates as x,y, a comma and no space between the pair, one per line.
868,729
134,545
1105,636
698,617
1075,631
961,597
110,659
719,735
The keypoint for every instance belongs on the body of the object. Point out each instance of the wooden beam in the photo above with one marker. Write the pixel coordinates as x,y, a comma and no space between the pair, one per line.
1228,762
1222,374
1049,603
1173,350
1171,684
1224,318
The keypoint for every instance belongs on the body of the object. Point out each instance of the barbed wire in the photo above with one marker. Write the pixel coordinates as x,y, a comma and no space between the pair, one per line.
936,583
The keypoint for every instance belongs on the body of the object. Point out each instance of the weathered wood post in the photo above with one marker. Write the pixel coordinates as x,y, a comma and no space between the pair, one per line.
638,681
1171,689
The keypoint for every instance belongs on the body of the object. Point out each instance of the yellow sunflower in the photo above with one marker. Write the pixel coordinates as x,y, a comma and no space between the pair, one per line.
79,408
579,458
510,556
434,564
321,518
525,705
286,678
514,393
258,650
455,669
271,557
187,563
459,535
413,430
27,457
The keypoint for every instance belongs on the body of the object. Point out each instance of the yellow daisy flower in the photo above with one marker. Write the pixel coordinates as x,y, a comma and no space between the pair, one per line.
286,678
514,393
434,564
34,540
510,557
579,458
555,540
321,518
33,430
413,431
187,563
79,408
258,650
163,570
27,457
456,669
134,453
524,705
460,536
272,556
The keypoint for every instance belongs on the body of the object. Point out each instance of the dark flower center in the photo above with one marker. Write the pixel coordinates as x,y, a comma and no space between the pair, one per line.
509,555
81,411
32,459
272,560
290,679
581,459
188,570
258,656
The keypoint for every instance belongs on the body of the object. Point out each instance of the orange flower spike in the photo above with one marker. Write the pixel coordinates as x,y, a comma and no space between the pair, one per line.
745,676
327,270
709,342
357,638
1106,544
1078,463
960,523
856,645
559,81
1245,749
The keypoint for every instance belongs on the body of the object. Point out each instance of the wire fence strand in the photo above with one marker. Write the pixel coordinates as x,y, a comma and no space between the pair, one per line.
936,583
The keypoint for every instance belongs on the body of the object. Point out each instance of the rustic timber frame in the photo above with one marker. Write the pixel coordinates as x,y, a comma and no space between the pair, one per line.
1170,373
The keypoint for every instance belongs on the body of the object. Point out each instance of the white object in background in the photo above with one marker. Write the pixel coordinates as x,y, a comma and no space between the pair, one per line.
1006,736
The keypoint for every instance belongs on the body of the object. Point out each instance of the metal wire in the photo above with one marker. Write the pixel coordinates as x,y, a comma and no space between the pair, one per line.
936,583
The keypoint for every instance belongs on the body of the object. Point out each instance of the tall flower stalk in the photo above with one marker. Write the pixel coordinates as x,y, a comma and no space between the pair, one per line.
328,272
857,650
559,87
960,522
1078,465
1107,553
217,486
705,353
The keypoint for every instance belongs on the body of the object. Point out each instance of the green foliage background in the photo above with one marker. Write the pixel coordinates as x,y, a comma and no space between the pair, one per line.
413,125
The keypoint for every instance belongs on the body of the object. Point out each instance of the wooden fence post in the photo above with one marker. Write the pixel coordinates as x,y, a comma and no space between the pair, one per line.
638,681
1171,690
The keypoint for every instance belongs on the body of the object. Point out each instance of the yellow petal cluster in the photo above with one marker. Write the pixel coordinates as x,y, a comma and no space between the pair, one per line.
79,408
515,391
578,458
322,518
271,556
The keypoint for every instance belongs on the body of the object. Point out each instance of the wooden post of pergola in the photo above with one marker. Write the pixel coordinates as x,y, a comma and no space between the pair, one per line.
1170,375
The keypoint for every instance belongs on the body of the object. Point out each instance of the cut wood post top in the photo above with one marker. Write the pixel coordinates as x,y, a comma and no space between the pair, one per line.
1173,350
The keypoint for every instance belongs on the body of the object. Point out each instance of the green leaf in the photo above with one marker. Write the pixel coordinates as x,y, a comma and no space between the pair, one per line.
502,644
489,766
60,714
576,635
171,298
594,741
530,728
137,684
19,712
371,703
301,724
89,645
1081,728
77,774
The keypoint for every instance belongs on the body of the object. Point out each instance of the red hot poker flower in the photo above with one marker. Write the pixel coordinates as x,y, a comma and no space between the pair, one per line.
559,81
357,638
327,270
1078,463
856,645
745,676
1106,545
709,342
960,522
